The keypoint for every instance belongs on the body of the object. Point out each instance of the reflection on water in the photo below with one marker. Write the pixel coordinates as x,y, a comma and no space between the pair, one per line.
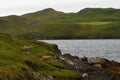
91,48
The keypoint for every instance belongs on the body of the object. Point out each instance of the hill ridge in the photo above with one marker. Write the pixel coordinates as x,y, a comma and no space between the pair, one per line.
89,23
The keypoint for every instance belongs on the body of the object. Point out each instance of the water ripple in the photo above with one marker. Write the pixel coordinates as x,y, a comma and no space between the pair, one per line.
91,48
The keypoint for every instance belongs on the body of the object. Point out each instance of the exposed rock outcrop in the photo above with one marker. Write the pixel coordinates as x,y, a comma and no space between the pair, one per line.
92,68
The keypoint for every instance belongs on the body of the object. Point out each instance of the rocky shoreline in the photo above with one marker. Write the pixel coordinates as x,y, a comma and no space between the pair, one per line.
94,68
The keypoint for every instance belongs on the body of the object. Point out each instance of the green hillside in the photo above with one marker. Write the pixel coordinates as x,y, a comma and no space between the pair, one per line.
16,64
89,23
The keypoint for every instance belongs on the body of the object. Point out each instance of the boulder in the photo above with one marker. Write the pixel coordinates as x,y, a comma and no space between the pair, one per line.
96,60
98,66
84,75
70,56
94,68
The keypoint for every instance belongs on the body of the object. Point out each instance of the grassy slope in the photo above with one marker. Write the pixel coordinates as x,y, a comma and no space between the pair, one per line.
51,24
16,65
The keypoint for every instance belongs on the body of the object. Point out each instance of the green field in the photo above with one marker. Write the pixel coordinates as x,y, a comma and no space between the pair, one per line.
94,23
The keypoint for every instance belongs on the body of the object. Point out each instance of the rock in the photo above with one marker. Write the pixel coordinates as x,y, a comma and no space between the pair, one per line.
70,56
39,76
98,66
96,60
62,58
118,72
66,60
74,63
85,75
84,59
91,68
56,49
70,62
36,75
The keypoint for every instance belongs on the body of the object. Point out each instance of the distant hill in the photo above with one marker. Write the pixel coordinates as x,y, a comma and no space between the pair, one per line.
89,23
100,12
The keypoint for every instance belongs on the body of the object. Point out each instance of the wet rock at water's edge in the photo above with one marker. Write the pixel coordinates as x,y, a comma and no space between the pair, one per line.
94,68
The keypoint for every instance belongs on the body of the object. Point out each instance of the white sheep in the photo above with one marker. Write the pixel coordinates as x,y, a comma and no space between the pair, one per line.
26,49
45,58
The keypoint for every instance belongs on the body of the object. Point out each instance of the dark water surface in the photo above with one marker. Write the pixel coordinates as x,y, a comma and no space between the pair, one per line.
109,49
